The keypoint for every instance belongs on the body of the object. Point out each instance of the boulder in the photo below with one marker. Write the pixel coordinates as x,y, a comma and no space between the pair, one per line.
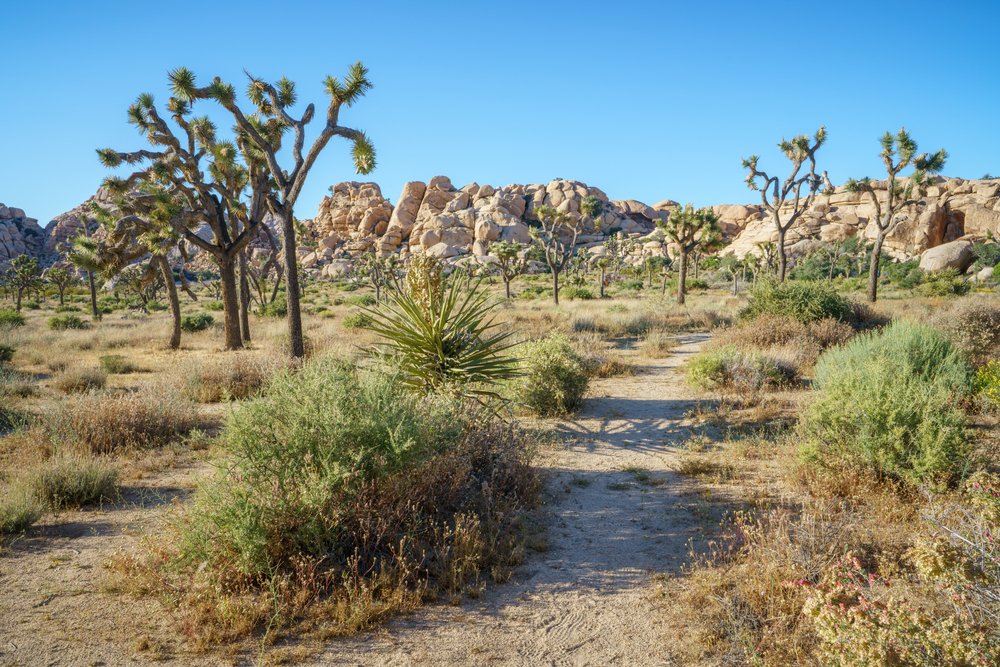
956,255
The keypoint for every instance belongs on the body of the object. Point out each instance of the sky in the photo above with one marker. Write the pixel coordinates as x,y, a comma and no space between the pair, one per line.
646,100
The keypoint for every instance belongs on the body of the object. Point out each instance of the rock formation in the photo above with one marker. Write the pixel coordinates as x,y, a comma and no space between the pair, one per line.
953,208
438,219
19,235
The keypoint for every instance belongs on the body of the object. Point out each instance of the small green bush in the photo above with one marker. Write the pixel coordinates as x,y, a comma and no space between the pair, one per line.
214,305
730,367
277,308
357,320
6,353
944,283
360,300
117,364
64,322
554,377
73,481
67,309
888,402
31,305
10,319
805,301
582,293
906,275
19,509
318,433
197,322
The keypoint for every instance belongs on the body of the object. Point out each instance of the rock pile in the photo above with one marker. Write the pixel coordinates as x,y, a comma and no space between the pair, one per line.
19,235
952,209
438,219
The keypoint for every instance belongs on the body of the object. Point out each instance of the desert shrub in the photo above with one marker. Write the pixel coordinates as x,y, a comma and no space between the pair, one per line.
357,320
31,305
582,293
986,384
657,344
731,368
197,322
10,319
73,481
81,380
116,364
231,377
906,274
554,377
532,292
67,309
610,366
214,305
347,491
6,353
887,402
277,308
15,383
973,327
805,301
19,509
360,300
64,322
103,424
944,283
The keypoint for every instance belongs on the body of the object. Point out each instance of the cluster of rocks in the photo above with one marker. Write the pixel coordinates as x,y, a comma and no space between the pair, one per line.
19,235
440,220
940,229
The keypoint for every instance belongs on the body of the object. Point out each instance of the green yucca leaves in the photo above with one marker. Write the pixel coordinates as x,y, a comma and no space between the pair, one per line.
450,344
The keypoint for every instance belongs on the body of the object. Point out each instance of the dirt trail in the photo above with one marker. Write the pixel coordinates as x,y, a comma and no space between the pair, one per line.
587,600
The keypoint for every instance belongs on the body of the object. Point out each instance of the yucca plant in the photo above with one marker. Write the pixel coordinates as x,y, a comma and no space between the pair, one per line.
444,341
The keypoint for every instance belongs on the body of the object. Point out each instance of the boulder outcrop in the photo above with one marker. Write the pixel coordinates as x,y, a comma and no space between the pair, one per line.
19,235
951,209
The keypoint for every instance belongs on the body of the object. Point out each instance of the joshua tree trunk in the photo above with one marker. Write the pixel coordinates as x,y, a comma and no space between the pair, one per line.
873,267
296,344
506,287
230,303
603,274
682,277
175,304
782,256
17,299
244,297
555,287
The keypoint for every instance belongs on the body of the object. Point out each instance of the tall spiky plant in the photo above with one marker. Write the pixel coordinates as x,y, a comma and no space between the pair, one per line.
556,236
689,229
260,137
899,151
797,191
441,338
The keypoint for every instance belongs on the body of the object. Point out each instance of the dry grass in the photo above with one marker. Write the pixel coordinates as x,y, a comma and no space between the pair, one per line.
103,424
234,376
81,380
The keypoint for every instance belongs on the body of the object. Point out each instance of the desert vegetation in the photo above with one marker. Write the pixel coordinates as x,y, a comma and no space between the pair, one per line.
533,419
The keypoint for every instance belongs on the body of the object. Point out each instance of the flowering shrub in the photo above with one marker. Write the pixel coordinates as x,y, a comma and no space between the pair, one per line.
986,384
861,620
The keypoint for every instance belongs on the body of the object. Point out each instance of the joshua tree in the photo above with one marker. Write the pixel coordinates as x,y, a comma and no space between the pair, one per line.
511,260
797,191
899,151
23,276
689,228
379,271
61,278
260,138
556,236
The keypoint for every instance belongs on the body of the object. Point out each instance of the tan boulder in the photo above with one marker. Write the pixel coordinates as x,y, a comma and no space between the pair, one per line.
956,255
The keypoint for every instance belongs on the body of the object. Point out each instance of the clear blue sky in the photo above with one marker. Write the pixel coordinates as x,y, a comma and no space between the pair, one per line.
645,100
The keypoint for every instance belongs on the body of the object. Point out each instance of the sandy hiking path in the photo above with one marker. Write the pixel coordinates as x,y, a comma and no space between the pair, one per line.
618,514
